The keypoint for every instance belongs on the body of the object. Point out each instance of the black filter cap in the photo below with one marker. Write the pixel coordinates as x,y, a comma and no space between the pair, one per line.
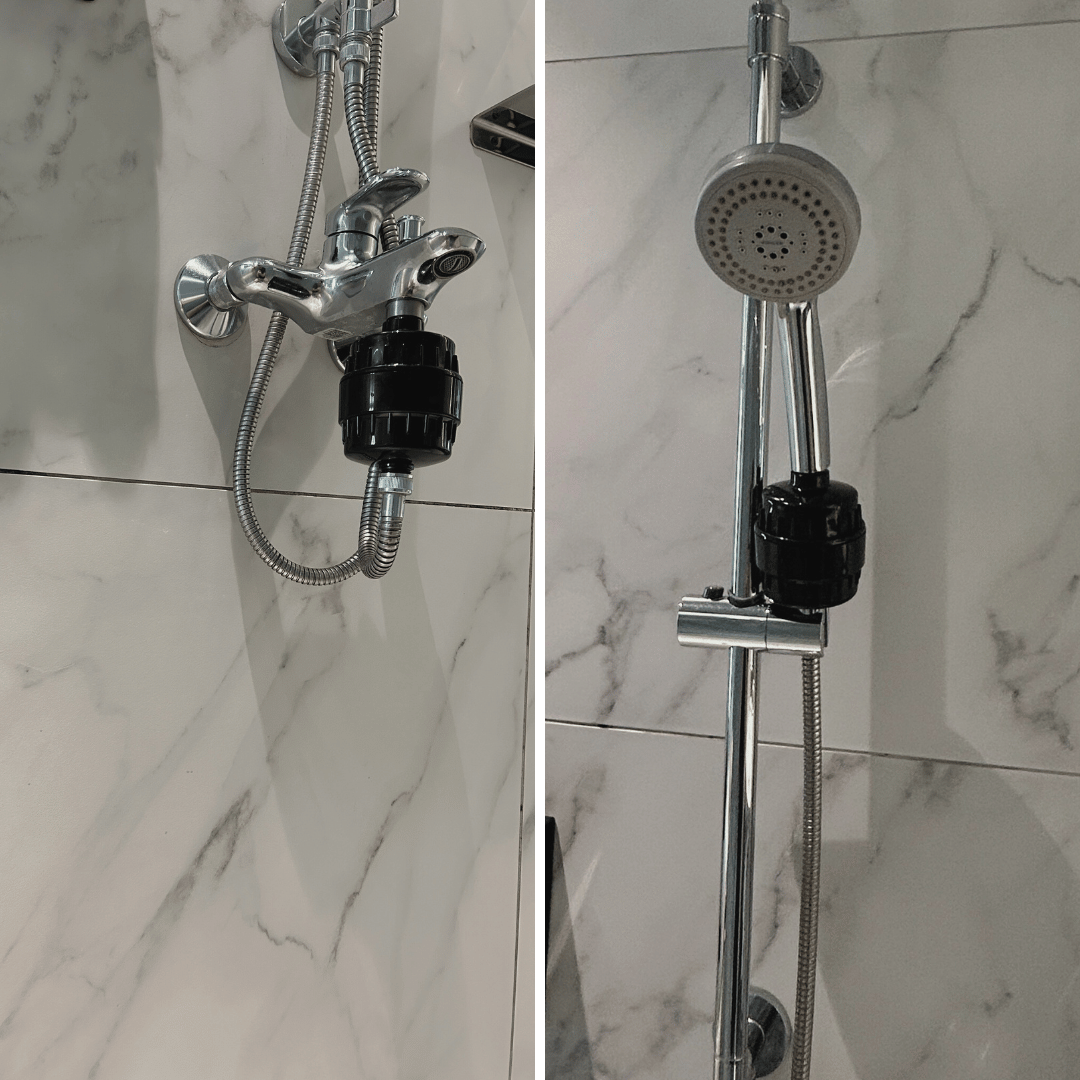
810,542
400,396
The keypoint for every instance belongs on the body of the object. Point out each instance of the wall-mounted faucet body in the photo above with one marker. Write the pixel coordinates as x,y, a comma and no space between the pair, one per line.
352,291
400,397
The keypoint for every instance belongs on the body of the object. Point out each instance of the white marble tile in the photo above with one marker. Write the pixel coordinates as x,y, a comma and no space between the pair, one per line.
522,1066
952,387
596,28
252,829
949,940
138,133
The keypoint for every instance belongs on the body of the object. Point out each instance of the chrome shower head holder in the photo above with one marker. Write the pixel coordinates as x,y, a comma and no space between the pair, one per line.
295,23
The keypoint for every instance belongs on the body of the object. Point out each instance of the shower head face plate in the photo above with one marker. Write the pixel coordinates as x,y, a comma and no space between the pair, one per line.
777,222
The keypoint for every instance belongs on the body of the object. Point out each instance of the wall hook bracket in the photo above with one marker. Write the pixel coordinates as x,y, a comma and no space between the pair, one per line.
769,1032
801,82
295,23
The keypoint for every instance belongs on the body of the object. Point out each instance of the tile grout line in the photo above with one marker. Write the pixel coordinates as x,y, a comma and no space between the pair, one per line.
521,797
183,485
816,41
886,754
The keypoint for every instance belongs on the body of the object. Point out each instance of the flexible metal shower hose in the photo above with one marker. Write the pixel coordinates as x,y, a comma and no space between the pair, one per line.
362,120
379,533
811,870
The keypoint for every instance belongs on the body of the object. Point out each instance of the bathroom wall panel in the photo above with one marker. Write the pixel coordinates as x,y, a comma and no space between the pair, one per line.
524,1057
251,829
137,134
949,937
952,381
593,28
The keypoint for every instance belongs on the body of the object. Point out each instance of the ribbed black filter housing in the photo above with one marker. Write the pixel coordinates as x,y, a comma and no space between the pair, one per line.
810,542
401,394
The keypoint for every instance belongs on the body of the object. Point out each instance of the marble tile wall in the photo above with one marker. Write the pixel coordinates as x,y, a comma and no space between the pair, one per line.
251,830
950,684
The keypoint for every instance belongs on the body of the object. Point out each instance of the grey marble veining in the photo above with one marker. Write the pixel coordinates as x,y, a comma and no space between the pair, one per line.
950,936
252,829
952,382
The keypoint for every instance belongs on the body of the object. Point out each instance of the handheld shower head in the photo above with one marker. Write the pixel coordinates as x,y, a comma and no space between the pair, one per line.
777,222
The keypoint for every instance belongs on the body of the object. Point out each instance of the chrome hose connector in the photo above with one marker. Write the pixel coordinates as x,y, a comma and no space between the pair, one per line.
325,41
393,487
356,34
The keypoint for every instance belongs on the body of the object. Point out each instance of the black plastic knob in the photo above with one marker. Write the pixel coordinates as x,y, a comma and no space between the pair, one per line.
400,396
810,542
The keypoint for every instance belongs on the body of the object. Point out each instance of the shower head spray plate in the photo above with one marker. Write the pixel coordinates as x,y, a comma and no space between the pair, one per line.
777,222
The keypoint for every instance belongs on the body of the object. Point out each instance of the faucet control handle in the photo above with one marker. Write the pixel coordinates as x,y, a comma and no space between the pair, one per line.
383,12
365,211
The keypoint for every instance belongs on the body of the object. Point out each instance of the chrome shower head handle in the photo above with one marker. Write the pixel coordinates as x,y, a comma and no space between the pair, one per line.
803,364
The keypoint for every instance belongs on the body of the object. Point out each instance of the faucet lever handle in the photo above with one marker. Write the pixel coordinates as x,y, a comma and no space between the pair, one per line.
379,197
383,12
390,189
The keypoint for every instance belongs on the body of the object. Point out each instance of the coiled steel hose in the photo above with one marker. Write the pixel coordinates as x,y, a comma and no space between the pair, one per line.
811,870
379,532
363,84
365,151
372,95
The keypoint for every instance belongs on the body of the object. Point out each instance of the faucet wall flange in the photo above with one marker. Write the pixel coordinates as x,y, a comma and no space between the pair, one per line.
211,324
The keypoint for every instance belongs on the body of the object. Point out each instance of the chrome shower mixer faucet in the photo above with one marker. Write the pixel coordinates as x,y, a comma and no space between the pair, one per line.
354,289
399,401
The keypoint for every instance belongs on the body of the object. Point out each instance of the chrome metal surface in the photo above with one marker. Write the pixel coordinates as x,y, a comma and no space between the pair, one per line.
217,289
349,299
191,295
332,350
720,624
293,30
731,1055
355,31
802,82
415,308
770,1031
410,226
764,106
509,128
393,487
295,22
804,386
768,31
354,52
752,438
777,222
379,197
349,248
